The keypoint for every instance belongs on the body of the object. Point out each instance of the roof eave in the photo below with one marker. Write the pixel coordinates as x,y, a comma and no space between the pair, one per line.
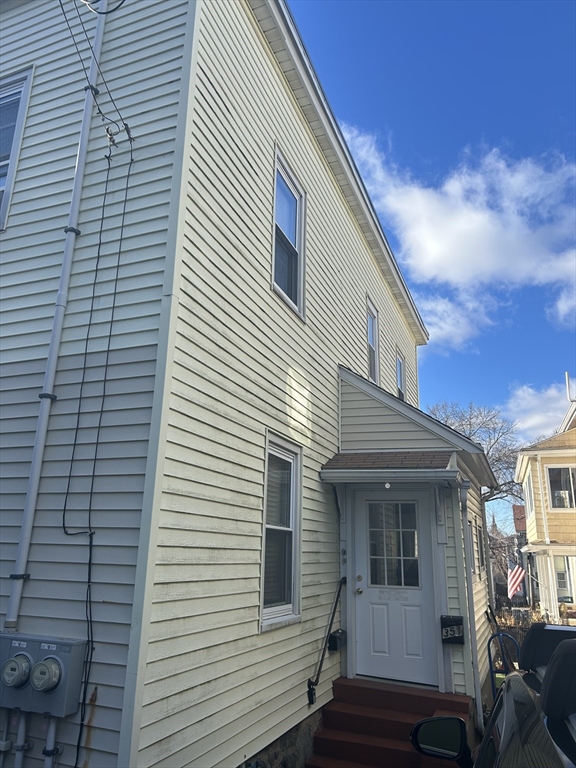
283,37
338,476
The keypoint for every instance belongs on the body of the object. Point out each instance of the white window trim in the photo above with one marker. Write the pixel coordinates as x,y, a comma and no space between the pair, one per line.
402,384
529,496
282,167
278,616
470,534
549,489
481,549
18,81
372,311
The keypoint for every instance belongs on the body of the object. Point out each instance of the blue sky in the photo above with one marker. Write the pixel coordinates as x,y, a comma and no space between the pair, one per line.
461,117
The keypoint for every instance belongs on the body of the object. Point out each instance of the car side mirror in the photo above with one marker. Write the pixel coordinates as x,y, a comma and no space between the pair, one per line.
444,738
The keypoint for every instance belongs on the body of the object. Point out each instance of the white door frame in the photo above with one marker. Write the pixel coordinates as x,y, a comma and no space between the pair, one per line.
346,495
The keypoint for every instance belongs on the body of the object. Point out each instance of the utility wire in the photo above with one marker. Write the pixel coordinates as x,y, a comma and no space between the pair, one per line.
103,13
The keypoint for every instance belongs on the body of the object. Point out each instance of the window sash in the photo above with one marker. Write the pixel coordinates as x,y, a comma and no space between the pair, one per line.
280,565
401,376
14,92
372,342
288,268
562,487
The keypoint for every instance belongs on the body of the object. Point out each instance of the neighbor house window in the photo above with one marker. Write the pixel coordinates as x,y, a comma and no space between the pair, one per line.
562,485
561,580
372,339
14,92
282,541
288,238
401,376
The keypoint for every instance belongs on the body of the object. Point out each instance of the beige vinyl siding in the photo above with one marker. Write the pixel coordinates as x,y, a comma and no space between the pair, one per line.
367,424
561,523
141,62
217,689
479,583
456,587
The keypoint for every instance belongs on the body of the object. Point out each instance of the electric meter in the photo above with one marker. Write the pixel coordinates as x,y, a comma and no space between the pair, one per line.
16,671
46,675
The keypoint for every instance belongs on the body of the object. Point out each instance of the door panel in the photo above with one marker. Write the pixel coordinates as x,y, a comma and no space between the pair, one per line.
396,630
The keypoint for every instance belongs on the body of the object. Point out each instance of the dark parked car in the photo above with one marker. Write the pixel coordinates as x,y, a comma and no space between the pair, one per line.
533,722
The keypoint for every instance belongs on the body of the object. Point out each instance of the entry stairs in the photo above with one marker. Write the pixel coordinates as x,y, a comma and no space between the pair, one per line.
368,724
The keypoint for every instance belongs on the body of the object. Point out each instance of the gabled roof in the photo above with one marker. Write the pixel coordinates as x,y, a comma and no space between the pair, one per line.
390,460
371,443
569,420
279,28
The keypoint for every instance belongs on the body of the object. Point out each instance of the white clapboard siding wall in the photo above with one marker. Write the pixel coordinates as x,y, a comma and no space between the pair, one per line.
480,582
217,689
141,60
455,581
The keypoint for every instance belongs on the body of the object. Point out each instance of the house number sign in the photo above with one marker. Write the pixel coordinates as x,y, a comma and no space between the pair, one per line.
452,629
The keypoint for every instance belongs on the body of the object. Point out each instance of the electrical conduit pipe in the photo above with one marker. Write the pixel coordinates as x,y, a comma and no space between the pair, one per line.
17,581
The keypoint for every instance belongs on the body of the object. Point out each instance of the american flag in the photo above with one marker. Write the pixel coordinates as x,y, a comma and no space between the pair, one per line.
515,578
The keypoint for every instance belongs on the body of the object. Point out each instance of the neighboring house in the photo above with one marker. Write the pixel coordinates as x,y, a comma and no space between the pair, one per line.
201,329
547,471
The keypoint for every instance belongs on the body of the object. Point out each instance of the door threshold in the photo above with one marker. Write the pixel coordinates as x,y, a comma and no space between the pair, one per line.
390,681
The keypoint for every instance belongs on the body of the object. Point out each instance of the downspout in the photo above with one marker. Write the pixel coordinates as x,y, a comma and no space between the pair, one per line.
19,574
464,488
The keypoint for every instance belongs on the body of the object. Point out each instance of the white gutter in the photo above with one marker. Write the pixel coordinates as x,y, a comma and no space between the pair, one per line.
451,476
471,617
19,575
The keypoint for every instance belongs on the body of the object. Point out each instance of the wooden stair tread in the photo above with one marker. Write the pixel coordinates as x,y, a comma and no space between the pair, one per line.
452,701
363,738
367,711
321,761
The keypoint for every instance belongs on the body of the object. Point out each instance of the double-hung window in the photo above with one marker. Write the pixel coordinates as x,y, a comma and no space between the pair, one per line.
14,91
562,486
372,341
282,532
288,238
401,376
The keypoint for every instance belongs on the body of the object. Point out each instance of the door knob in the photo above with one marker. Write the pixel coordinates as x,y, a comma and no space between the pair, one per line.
359,591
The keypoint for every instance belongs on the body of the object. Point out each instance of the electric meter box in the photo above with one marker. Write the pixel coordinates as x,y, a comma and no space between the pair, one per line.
40,673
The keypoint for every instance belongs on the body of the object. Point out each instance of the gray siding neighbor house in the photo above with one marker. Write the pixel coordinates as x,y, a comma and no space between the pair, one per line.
209,392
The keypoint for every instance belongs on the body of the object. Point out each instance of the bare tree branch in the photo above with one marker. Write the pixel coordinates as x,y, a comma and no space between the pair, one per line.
495,433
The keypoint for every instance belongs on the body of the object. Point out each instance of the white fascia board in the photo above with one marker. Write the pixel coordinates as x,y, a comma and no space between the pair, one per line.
326,129
336,476
561,550
459,442
569,418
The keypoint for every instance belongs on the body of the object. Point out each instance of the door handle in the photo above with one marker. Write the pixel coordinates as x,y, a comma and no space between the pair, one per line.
359,591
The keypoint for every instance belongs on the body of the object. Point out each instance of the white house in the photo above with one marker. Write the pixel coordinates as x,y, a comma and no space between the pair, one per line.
204,335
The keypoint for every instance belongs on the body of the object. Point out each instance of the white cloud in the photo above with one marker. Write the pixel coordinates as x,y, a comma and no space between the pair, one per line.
492,225
538,412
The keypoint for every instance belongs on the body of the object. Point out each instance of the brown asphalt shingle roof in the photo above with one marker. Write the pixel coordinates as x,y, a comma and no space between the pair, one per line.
390,460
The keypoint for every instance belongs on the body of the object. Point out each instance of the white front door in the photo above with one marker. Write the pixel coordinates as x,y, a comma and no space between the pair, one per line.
396,632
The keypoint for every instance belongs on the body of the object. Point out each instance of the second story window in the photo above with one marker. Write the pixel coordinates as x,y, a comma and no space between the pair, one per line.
401,376
13,100
562,485
288,238
372,339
